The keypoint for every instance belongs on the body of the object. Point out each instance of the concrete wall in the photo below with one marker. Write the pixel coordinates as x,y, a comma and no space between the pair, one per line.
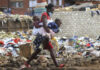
78,23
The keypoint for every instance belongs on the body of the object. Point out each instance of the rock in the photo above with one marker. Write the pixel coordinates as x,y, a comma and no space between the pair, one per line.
42,59
2,68
94,61
71,69
44,65
57,68
32,68
11,68
41,68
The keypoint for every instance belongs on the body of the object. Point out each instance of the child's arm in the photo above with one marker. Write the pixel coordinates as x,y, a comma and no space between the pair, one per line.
36,24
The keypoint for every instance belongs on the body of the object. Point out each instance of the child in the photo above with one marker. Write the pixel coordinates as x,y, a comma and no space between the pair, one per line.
36,25
54,26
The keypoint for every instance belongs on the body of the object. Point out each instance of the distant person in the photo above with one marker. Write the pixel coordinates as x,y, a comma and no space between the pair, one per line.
5,10
9,10
70,2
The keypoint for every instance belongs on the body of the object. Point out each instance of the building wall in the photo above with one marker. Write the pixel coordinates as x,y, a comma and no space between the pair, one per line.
3,3
21,10
39,1
94,2
25,8
78,23
57,2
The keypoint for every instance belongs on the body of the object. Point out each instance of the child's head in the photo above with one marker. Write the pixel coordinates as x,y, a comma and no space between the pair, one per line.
36,18
58,22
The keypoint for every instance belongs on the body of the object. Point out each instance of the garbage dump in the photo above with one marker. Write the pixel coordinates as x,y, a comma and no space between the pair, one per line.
16,47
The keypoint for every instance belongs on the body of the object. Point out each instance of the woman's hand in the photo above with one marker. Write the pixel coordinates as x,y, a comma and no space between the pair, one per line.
44,20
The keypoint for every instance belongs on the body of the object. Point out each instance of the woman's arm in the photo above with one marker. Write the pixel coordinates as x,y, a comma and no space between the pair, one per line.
44,19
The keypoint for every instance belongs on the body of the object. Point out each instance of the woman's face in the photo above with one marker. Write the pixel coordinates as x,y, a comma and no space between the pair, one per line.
51,10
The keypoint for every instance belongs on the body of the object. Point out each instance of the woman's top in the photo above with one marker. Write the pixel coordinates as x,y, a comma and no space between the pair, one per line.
45,14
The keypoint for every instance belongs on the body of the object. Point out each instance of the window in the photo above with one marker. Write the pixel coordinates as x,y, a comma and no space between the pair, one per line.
32,3
49,1
17,4
55,2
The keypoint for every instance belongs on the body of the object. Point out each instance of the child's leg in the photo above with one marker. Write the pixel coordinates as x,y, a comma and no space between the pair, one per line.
34,55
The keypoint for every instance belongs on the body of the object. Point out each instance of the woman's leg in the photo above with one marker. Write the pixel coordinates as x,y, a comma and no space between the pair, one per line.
50,48
48,45
37,42
52,55
34,55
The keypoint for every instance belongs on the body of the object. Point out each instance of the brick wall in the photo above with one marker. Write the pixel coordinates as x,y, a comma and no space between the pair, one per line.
94,2
3,3
40,1
78,23
21,10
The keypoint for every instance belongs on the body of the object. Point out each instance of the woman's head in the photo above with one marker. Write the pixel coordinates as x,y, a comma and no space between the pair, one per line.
58,22
50,8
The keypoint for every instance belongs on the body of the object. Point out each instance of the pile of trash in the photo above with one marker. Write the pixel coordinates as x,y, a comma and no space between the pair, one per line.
14,18
75,51
70,51
10,42
83,46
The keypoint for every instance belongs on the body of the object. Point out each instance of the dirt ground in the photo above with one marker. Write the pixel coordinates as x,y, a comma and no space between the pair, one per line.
9,63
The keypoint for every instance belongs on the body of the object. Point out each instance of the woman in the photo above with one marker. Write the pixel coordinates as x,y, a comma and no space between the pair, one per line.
49,12
45,19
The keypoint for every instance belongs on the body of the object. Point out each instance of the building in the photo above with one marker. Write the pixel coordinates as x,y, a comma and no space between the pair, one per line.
16,6
62,3
57,3
4,4
84,1
20,6
24,6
